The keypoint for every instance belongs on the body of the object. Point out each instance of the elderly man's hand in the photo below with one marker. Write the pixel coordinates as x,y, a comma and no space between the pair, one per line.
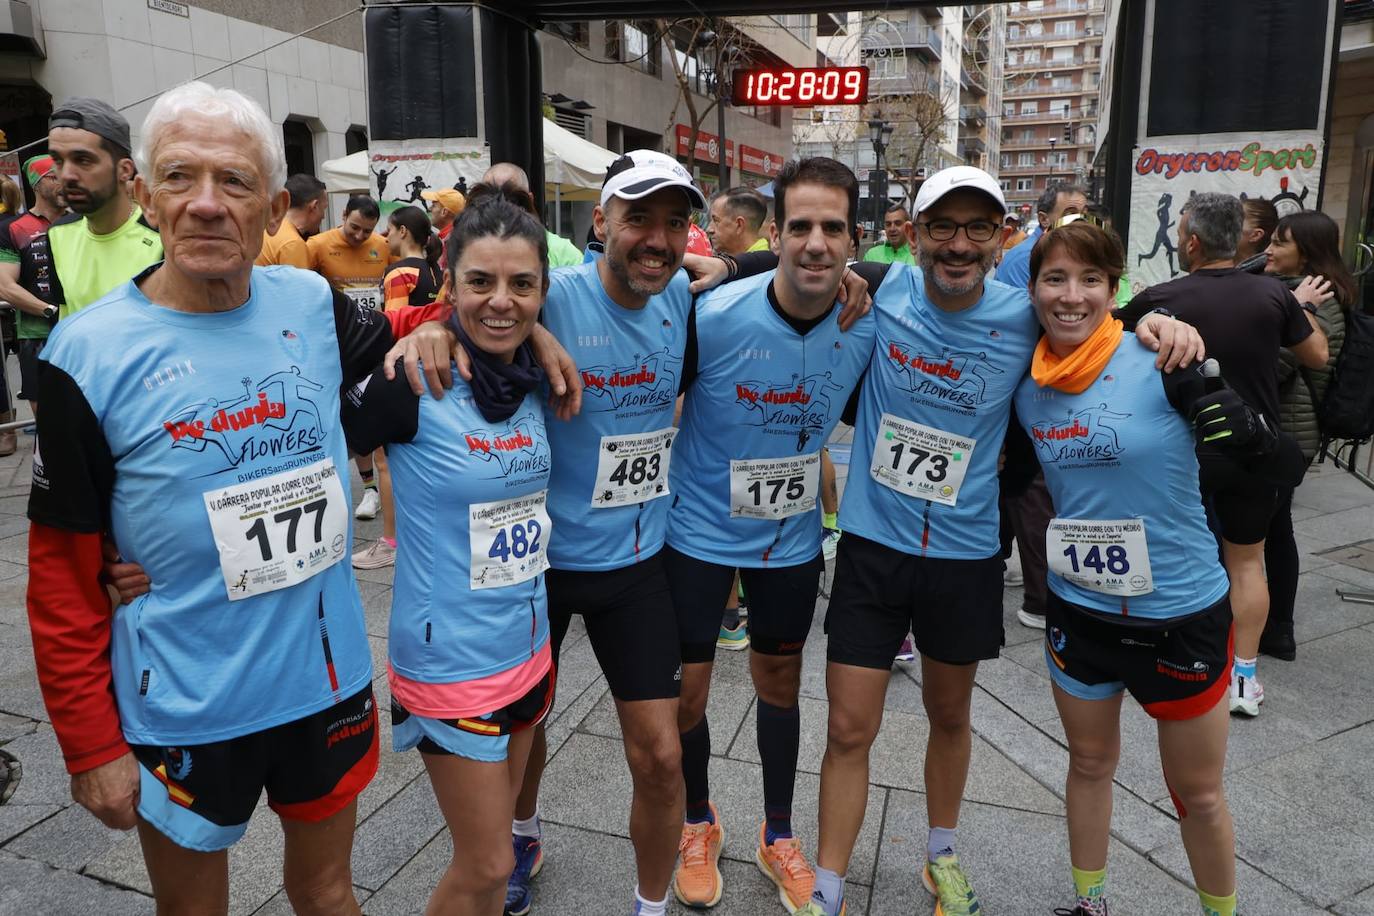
110,792
1178,343
433,344
128,579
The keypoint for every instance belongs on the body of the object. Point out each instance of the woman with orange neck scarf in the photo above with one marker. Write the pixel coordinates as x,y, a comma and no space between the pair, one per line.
1138,600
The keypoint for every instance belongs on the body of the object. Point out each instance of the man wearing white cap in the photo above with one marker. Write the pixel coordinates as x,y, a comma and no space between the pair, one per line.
921,551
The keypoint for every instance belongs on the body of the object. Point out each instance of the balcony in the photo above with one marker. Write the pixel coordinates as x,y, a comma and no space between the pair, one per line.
1050,63
971,144
886,84
1045,87
1051,116
973,114
923,39
1052,9
1026,38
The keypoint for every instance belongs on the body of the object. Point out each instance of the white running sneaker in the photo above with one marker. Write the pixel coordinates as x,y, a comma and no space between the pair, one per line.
1012,578
378,554
1246,696
1034,621
369,506
830,542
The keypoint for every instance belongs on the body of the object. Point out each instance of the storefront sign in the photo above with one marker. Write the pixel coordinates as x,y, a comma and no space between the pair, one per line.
759,162
708,145
1284,166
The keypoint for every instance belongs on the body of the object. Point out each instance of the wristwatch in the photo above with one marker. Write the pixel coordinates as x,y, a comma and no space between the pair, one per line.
1308,307
50,312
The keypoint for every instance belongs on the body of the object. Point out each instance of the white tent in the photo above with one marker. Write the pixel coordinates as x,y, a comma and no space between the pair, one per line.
573,167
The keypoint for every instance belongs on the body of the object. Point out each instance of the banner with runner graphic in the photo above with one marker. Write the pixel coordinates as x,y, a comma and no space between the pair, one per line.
400,170
1284,166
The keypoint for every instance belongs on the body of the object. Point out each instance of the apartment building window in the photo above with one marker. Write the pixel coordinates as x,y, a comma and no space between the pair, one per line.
1032,55
1061,82
886,67
1006,185
1025,160
1035,29
1027,135
1006,160
1064,54
1060,107
1029,108
635,44
1025,184
1014,31
1013,58
1064,28
1008,109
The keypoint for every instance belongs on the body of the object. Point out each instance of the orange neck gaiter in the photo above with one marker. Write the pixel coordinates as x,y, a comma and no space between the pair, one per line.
1075,372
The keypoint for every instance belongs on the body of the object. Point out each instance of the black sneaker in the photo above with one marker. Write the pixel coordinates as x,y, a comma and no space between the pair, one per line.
1078,911
1278,644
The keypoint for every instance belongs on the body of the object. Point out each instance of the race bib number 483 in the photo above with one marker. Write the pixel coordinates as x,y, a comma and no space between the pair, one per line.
920,461
632,468
277,531
1102,555
774,488
509,539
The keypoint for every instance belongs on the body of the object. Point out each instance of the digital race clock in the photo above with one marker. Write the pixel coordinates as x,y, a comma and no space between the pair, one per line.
801,86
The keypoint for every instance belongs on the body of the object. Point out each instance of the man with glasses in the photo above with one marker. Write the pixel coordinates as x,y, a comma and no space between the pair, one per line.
921,551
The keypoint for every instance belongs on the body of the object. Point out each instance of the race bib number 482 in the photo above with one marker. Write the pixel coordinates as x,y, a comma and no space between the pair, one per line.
276,531
774,488
920,461
1108,556
509,538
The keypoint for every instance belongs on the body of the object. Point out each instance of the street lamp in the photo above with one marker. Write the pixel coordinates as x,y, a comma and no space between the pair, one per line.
880,134
1051,163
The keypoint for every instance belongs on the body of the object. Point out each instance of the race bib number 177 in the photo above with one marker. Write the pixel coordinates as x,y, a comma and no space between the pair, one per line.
276,531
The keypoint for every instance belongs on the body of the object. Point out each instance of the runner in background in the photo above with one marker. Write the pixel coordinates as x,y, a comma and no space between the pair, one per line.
894,247
309,203
444,206
354,258
562,253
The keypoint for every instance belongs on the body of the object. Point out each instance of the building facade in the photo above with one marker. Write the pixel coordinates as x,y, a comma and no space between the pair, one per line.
1050,93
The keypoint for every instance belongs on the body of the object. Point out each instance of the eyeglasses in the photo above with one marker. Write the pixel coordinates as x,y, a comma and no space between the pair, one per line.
978,230
1076,217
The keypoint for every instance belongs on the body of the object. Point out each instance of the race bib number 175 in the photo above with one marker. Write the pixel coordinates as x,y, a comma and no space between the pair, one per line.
774,488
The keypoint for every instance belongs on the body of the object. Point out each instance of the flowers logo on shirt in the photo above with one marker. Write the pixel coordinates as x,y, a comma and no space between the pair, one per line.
1083,436
518,448
959,378
276,417
648,381
801,405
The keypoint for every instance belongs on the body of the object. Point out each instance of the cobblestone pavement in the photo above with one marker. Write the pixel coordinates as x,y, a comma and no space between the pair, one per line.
1298,777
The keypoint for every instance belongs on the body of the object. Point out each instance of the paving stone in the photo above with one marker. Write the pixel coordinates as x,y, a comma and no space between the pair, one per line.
391,836
71,839
896,759
1361,904
1256,893
1318,612
10,570
16,818
1025,690
590,770
1346,577
13,726
1017,861
376,607
15,548
1344,527
279,905
726,707
394,771
27,886
15,505
45,779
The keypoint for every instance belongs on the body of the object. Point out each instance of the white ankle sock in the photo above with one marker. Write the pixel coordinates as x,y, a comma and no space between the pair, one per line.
650,907
527,827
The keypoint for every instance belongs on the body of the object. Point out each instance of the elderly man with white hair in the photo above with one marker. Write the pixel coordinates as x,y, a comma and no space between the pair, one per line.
195,421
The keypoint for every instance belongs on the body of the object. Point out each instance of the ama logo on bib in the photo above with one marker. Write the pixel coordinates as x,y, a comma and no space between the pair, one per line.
517,449
958,378
1088,435
650,381
276,417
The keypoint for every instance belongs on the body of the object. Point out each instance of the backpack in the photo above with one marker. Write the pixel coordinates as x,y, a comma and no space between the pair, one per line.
1347,411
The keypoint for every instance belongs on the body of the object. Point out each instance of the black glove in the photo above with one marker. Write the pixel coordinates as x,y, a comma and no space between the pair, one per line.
1222,420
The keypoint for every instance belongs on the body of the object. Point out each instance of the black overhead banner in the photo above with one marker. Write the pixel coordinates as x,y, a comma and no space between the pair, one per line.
1236,65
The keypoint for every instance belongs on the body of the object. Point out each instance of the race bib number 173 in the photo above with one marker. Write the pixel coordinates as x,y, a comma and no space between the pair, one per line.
920,461
276,531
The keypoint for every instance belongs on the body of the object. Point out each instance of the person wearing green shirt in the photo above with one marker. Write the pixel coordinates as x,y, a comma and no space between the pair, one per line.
736,221
894,247
562,253
106,241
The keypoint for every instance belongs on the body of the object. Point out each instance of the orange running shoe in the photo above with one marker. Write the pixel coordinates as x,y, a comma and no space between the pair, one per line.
786,866
698,882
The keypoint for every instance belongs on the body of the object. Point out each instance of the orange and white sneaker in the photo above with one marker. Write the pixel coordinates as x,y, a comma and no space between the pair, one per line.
786,866
698,882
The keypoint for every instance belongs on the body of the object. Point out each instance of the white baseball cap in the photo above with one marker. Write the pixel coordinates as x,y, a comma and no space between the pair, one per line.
957,178
641,172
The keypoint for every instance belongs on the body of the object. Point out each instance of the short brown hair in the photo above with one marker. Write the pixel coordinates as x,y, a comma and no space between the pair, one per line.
1100,248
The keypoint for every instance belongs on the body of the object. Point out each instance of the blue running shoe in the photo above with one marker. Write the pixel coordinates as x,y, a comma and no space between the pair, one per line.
529,858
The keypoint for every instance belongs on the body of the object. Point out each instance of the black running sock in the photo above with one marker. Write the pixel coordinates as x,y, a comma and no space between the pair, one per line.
779,734
367,477
696,761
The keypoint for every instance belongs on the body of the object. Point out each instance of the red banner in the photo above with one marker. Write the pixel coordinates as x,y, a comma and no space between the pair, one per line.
759,162
708,145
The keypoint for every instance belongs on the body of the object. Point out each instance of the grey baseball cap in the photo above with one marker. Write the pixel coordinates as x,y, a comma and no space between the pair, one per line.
98,117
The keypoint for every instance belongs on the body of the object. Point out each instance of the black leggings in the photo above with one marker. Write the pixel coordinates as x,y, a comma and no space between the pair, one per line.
1281,565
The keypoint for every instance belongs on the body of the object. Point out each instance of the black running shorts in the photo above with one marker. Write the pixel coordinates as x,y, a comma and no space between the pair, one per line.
630,623
782,602
1176,669
953,608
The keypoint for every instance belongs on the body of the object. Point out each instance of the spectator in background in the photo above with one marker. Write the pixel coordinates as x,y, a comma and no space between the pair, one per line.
894,248
737,222
1012,234
1058,201
1252,252
11,198
1304,244
562,253
354,258
108,242
444,206
26,278
308,205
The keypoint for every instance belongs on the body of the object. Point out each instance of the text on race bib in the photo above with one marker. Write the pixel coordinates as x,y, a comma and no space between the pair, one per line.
1106,556
509,540
368,297
276,531
920,461
632,468
774,488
